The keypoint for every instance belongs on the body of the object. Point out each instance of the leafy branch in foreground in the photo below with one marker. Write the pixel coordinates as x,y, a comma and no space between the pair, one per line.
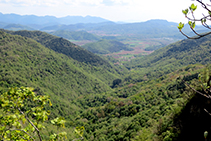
79,131
19,121
192,20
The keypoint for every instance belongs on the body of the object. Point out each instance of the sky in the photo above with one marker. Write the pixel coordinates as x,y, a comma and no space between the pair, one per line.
114,10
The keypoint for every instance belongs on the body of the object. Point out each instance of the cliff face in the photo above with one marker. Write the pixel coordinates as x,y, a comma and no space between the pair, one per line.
194,121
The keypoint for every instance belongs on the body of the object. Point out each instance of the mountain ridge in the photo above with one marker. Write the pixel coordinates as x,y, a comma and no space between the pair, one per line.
40,20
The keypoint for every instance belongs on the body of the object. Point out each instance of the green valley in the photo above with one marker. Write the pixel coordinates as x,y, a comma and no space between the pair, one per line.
139,97
106,47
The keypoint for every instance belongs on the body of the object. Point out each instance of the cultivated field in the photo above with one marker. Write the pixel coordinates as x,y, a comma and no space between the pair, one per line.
139,47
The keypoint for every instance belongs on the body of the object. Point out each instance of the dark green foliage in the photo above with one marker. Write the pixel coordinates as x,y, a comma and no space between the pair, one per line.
127,112
24,62
106,47
150,107
79,87
61,45
116,82
97,66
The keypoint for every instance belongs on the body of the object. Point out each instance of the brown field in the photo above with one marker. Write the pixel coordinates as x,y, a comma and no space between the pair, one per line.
138,46
137,50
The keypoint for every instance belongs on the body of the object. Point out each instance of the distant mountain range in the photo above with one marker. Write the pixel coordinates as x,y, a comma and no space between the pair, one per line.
149,29
47,20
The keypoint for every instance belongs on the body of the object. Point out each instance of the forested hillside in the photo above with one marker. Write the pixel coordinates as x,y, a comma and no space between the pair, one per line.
135,111
61,45
106,47
75,35
16,27
24,62
147,100
141,111
100,68
170,58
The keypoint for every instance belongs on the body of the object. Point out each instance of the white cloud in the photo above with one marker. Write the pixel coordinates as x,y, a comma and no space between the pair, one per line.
68,2
31,2
51,2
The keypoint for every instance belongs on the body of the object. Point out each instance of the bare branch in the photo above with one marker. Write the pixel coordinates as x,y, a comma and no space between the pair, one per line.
198,20
198,37
38,132
203,5
196,90
195,32
207,112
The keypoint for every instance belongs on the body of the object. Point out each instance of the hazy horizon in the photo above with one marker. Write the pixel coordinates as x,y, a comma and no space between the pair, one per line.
129,21
113,10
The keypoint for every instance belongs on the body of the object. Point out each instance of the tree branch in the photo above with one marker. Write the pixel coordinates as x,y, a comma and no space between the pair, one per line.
203,5
198,37
38,132
196,90
203,21
207,112
195,32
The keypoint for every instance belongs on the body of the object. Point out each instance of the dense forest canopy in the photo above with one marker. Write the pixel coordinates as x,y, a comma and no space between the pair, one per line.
147,97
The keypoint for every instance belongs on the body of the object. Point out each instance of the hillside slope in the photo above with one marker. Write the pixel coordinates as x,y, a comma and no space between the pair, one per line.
61,45
169,58
141,112
24,62
160,106
136,111
106,47
16,27
75,35
95,65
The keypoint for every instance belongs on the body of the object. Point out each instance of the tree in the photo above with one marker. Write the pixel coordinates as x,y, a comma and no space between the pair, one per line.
192,20
20,121
116,82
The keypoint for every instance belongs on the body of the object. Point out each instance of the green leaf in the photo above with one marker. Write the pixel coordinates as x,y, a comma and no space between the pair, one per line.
185,11
205,134
190,23
193,7
193,25
80,130
203,21
181,25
